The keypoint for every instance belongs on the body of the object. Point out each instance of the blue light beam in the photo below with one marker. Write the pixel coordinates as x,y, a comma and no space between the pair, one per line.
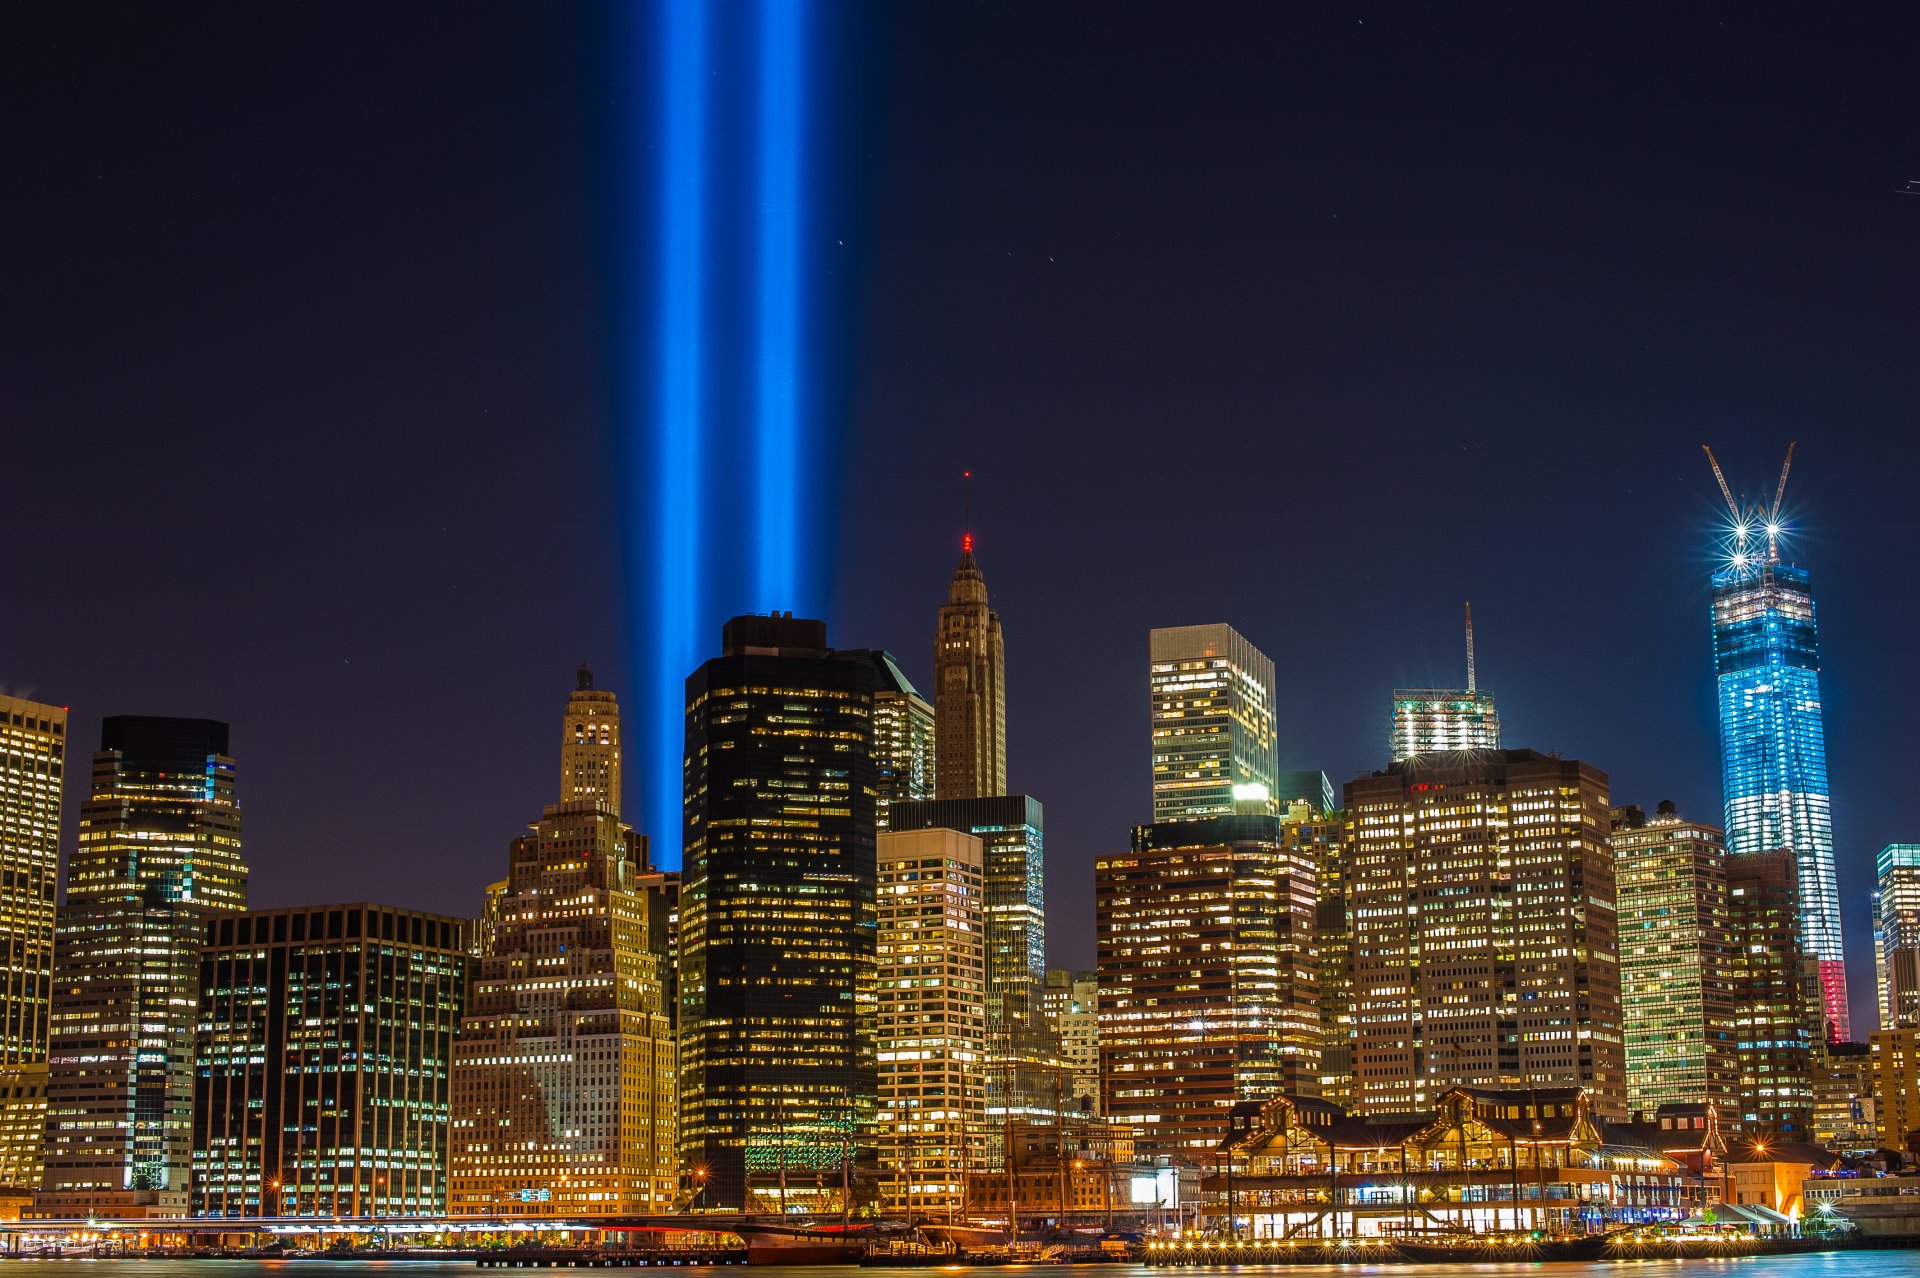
777,423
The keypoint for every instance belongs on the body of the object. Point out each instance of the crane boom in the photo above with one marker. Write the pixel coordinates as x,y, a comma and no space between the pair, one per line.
1725,491
1773,516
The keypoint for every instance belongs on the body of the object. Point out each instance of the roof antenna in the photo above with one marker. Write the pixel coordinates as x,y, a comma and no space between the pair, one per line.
1470,683
966,512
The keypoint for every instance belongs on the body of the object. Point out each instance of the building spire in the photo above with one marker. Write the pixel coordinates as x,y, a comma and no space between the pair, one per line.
1470,682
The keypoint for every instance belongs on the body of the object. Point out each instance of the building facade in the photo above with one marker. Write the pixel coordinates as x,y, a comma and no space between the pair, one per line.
323,1061
1676,961
1896,1086
158,854
1215,738
778,918
564,1080
1844,1118
1773,749
969,689
932,1047
1442,720
1776,995
1896,933
1206,978
33,752
1072,1004
1481,909
903,737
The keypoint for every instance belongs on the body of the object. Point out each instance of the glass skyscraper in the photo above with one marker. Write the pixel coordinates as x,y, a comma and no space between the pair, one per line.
1215,747
1773,749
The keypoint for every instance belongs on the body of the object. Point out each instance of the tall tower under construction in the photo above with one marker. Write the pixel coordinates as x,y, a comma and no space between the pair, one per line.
1435,720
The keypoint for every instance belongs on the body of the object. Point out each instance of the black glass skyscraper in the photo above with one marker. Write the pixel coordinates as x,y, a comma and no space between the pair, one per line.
777,918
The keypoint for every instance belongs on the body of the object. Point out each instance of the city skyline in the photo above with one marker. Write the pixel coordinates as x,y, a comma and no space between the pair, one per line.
1430,344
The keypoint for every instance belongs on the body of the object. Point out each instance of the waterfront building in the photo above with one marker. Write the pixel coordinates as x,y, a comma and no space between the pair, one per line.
969,689
33,760
323,1061
564,1079
1773,749
1064,1172
1776,995
932,964
1896,1085
1481,908
1896,933
1071,1001
1207,991
903,737
158,854
777,918
1676,960
1215,743
1843,1108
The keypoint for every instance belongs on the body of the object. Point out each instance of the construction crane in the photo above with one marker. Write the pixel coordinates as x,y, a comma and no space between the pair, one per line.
1742,520
1470,684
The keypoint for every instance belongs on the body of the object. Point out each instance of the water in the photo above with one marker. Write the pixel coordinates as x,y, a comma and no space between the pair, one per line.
1841,1264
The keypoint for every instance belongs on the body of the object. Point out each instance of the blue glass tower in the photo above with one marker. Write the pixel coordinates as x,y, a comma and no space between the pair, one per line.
1773,748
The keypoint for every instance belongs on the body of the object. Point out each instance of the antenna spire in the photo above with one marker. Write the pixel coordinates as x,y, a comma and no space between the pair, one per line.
966,512
1470,680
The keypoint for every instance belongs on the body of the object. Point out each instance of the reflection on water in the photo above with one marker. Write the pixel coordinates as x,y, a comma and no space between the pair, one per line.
1842,1264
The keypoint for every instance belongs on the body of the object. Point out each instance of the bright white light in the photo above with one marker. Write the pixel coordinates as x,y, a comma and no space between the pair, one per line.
1250,792
1773,530
1739,561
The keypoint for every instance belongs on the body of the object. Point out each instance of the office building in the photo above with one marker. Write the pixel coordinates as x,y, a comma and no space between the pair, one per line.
1072,1004
1676,960
1481,907
903,736
1206,978
158,854
1896,1086
1773,748
1776,995
323,1061
1308,786
777,918
33,750
564,1086
1440,720
1844,1118
969,689
932,1045
1215,743
1896,933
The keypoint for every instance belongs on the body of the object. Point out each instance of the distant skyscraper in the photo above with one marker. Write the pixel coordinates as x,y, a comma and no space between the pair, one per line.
1776,989
1207,990
158,853
1896,934
563,1082
1072,1003
903,736
932,1019
1481,906
1215,748
1310,785
778,917
326,1035
1676,961
1436,720
33,749
1773,746
969,689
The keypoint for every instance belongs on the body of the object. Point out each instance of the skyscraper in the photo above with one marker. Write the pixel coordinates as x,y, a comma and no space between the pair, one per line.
1207,981
564,1082
1773,748
932,1019
1215,748
777,917
1481,906
1776,995
1436,720
1676,961
323,1054
969,689
1072,1003
158,853
33,748
903,736
1896,933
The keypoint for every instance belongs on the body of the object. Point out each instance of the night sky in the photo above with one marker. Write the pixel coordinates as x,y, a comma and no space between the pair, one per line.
1317,322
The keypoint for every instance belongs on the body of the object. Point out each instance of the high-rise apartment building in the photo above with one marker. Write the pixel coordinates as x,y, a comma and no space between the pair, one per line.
1072,1004
1773,746
1481,906
1843,1107
777,917
1676,960
1207,994
903,736
158,854
1896,933
33,750
1896,1085
969,689
564,1085
932,1046
1440,720
323,1060
1215,744
1776,995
